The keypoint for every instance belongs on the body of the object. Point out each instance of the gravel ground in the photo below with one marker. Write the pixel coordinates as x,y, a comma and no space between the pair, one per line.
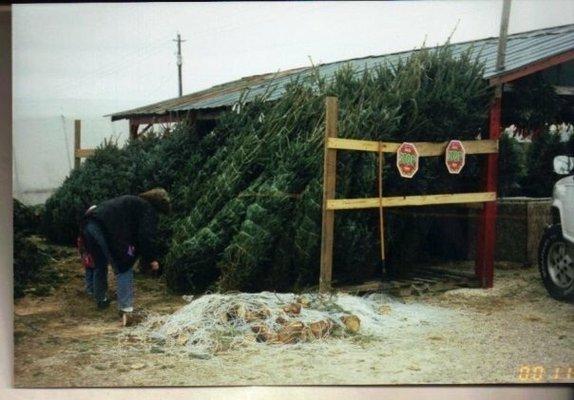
511,333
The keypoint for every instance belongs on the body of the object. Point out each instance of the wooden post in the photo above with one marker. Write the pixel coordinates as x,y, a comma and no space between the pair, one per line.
77,142
134,126
381,222
329,184
484,267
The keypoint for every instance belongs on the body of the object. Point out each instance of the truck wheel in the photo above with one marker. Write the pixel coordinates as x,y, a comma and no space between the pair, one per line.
556,264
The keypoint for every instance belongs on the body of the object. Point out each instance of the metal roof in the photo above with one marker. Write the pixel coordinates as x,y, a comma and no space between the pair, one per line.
522,49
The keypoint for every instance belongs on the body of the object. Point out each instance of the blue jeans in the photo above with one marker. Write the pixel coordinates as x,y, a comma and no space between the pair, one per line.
98,248
89,281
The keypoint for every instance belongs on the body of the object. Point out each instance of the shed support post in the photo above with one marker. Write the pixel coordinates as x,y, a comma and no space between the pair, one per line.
134,126
486,238
77,142
329,184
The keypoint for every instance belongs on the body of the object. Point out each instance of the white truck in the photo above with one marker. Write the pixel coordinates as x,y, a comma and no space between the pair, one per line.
556,251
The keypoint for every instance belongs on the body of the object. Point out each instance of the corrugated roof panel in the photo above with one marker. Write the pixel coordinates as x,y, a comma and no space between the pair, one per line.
522,49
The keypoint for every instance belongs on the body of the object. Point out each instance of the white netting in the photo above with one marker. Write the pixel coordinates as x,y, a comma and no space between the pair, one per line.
218,322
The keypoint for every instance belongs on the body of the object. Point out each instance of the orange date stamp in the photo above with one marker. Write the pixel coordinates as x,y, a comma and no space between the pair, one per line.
542,373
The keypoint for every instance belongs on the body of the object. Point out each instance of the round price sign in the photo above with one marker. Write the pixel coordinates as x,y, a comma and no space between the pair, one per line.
407,160
455,156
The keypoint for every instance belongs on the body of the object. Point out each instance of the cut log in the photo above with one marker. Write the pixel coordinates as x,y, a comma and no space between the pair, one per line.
269,337
385,309
291,333
303,301
321,329
352,323
263,333
237,311
292,309
259,328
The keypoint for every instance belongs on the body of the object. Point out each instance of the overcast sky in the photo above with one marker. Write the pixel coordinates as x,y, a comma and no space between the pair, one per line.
124,53
87,60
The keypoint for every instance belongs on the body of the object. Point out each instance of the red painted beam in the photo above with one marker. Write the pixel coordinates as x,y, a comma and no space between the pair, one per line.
486,238
532,68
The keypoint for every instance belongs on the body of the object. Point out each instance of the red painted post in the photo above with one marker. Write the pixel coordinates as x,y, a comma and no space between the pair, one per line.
486,238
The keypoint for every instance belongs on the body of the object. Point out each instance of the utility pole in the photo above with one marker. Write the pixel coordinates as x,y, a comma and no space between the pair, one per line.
179,62
502,37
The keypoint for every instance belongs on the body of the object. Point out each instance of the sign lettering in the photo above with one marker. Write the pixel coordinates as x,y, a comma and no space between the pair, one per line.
455,156
407,160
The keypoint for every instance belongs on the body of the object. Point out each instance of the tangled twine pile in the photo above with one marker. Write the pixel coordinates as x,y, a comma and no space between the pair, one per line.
218,322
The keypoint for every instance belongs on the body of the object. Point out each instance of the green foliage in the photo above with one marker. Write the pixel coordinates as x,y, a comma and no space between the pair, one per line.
532,104
271,159
511,166
31,262
30,266
248,194
540,176
26,219
113,171
105,175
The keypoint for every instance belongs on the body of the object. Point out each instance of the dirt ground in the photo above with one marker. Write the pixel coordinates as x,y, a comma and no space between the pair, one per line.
511,333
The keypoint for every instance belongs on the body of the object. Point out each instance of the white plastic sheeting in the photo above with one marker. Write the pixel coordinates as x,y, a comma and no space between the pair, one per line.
43,143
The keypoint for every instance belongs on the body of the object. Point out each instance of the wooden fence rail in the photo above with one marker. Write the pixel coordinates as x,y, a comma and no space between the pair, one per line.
425,149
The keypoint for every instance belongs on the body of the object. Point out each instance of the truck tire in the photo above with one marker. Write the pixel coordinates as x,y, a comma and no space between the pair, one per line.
556,264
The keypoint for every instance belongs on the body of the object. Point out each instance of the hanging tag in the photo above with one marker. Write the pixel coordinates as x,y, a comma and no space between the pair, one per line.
407,160
455,156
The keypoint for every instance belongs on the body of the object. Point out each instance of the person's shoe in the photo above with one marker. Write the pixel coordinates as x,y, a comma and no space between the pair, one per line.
102,305
132,318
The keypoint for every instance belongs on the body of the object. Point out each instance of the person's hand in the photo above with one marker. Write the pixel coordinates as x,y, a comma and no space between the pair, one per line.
154,265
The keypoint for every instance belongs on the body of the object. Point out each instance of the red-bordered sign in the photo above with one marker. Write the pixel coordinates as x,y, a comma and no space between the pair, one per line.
455,156
407,160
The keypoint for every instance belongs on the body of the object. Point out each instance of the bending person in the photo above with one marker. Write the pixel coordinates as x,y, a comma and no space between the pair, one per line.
118,232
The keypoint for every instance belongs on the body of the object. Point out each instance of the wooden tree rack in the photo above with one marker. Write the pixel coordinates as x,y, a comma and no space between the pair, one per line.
331,204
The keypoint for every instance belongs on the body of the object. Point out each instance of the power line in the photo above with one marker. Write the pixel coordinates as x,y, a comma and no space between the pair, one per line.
136,55
115,67
147,50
